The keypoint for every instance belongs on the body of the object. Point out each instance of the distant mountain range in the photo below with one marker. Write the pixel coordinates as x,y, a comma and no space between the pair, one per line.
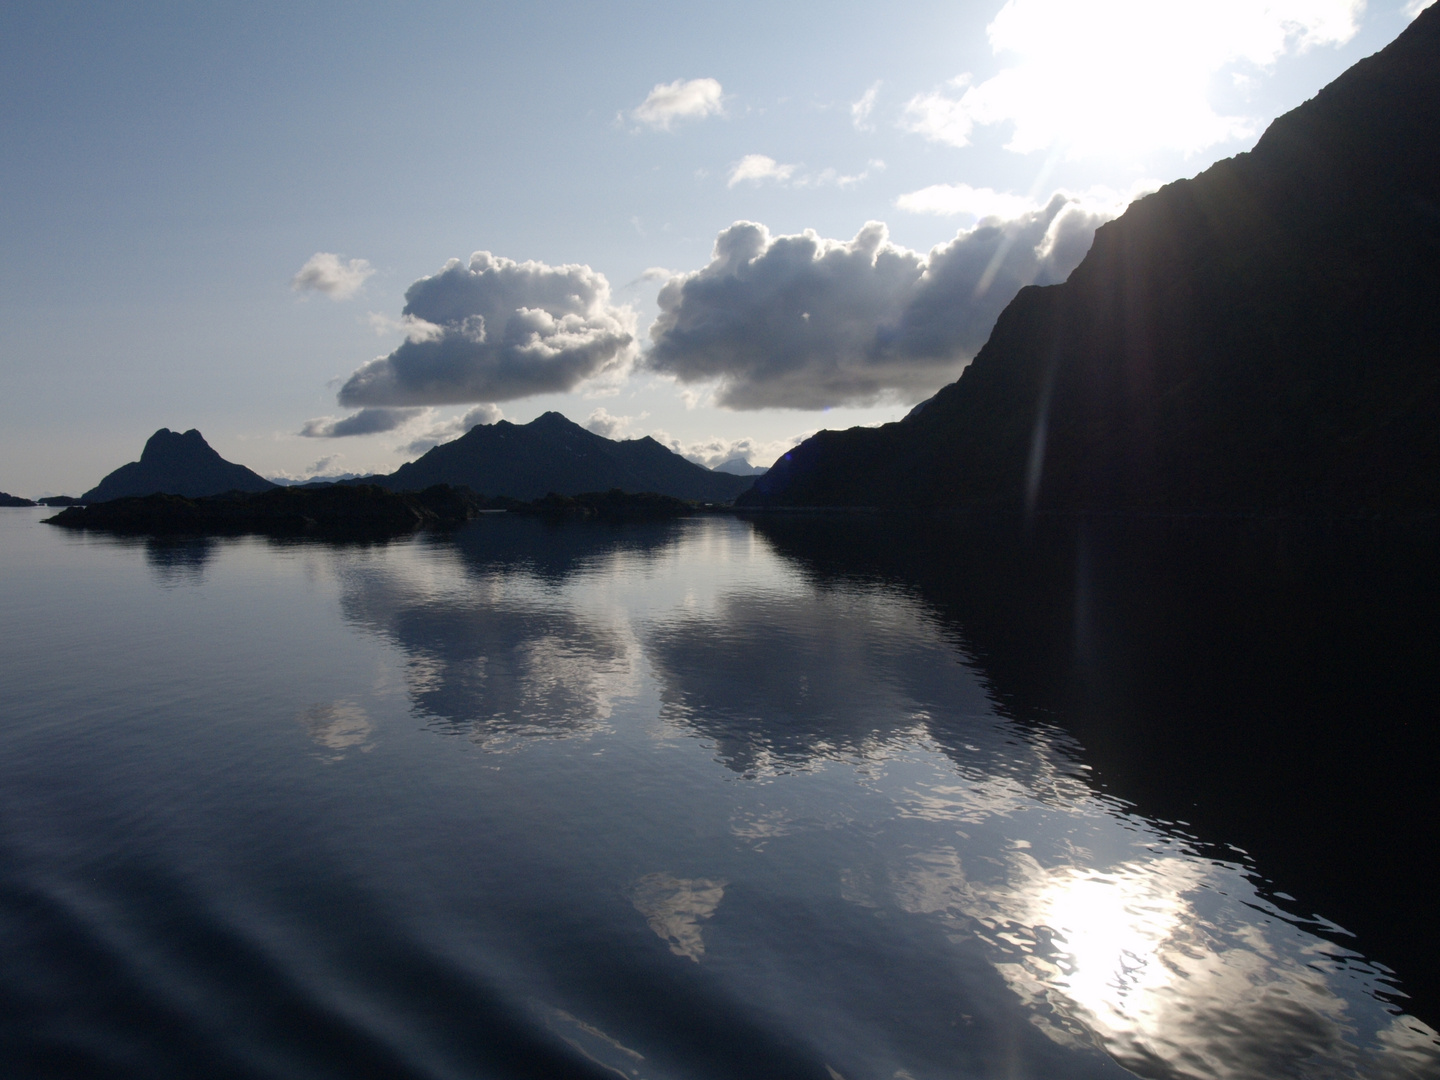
176,464
551,453
1262,338
334,478
517,461
738,466
7,499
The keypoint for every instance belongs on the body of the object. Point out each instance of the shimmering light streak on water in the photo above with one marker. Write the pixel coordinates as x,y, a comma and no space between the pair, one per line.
540,801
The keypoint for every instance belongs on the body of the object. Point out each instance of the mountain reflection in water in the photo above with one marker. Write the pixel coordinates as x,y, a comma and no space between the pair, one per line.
792,797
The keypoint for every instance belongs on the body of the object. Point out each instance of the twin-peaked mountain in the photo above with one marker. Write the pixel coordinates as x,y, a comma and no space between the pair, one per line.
1262,338
176,464
551,453
521,461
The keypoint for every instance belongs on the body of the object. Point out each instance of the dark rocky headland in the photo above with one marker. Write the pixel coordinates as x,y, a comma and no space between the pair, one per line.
1263,338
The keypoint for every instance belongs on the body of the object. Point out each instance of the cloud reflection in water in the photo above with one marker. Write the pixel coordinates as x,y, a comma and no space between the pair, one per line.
496,658
1108,930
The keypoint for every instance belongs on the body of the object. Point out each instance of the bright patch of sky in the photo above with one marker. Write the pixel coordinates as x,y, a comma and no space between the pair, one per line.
331,236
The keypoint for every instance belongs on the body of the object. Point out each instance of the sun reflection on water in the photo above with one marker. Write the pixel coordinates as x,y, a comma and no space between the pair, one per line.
1150,960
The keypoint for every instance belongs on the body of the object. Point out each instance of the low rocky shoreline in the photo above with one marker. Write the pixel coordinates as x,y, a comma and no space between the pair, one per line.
347,511
338,511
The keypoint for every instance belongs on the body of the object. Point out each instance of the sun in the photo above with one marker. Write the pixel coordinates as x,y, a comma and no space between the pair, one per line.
1127,78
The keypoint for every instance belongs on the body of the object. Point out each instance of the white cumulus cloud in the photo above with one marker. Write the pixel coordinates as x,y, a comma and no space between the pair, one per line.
947,200
324,273
806,322
758,167
496,330
1124,77
682,99
610,427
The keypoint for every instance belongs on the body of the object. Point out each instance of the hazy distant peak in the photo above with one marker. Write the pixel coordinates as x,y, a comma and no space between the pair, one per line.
738,466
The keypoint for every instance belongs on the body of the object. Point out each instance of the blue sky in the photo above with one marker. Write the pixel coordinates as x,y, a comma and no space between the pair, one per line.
169,169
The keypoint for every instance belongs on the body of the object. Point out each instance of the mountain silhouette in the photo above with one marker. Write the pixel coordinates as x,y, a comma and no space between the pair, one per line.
551,453
1264,337
176,464
6,499
738,466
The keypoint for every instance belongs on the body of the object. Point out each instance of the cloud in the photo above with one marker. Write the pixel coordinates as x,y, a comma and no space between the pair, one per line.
414,329
370,421
758,167
1124,77
938,117
329,465
828,177
446,430
948,200
497,330
717,450
806,322
1414,7
607,426
680,100
323,272
860,110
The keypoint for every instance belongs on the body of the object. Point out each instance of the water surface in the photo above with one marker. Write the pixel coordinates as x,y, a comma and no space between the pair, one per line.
696,799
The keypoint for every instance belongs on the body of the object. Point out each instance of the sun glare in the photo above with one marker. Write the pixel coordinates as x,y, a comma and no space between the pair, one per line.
1125,78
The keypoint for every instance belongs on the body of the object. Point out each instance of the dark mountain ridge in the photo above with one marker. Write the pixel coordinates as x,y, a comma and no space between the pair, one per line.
553,454
173,463
1264,337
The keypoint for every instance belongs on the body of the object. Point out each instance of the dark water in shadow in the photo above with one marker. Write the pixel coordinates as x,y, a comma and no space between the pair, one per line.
1274,685
791,798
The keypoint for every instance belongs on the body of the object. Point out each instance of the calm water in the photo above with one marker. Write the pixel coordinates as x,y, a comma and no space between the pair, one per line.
704,799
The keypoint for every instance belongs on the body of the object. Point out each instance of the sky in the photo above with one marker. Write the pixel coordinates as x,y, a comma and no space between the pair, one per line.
332,235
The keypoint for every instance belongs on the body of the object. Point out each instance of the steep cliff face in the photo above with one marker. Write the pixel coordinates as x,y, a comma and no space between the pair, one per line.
1263,337
173,463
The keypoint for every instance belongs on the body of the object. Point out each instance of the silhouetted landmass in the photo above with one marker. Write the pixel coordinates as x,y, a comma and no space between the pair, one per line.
338,478
613,505
1262,338
176,464
738,466
553,454
338,511
59,500
14,500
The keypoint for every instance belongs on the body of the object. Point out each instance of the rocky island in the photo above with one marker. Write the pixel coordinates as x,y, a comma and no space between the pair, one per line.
338,511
